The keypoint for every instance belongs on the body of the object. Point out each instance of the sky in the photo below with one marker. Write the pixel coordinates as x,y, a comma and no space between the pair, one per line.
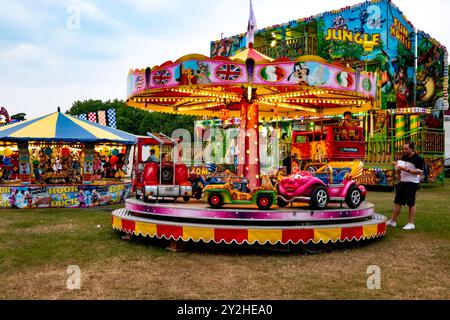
54,52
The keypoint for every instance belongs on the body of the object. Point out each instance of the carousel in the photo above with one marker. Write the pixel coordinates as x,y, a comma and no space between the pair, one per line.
61,161
248,205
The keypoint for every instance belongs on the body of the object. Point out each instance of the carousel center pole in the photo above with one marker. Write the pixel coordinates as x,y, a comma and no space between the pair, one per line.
249,134
249,130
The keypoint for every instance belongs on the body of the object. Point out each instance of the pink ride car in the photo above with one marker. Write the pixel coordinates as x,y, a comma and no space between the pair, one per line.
320,186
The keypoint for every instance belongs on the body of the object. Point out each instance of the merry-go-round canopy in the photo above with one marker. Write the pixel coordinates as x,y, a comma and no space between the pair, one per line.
198,85
59,127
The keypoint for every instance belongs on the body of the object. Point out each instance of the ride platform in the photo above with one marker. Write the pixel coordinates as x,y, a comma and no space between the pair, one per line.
246,225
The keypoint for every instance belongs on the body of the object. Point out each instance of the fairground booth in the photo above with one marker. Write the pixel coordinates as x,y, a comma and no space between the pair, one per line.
61,161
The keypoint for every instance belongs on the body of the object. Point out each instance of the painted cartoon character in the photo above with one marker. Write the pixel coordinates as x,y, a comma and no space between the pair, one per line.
29,198
95,197
203,73
82,202
340,23
12,198
300,74
401,88
187,76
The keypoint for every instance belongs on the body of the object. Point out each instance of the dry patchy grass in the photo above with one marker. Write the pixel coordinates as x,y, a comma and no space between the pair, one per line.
37,246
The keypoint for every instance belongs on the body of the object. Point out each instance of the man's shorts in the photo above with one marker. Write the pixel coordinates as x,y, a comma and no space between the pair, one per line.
406,193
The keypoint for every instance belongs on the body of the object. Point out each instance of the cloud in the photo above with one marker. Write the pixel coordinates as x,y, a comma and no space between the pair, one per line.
44,65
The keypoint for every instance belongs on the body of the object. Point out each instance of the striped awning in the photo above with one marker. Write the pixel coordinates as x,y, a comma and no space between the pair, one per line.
65,128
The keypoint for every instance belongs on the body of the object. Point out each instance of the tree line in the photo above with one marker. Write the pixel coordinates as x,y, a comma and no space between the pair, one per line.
136,121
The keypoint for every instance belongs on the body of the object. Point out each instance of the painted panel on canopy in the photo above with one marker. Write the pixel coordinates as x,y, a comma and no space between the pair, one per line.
432,73
191,72
315,74
136,82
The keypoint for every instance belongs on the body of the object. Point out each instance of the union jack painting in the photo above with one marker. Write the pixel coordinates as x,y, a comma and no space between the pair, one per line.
161,76
228,72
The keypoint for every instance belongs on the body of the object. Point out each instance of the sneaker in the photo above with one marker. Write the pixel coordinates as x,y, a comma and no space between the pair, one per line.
409,226
391,223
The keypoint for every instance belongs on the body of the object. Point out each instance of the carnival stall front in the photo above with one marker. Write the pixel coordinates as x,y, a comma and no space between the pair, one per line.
61,161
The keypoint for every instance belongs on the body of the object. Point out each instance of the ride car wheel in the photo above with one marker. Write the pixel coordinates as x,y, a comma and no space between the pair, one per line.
319,197
264,201
354,197
215,200
281,203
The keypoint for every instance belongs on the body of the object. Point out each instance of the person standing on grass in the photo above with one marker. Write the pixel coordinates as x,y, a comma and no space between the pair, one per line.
410,168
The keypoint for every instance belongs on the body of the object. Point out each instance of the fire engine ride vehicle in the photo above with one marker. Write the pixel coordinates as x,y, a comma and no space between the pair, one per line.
159,179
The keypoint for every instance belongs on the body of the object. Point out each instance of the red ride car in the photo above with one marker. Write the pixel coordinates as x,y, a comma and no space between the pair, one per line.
157,178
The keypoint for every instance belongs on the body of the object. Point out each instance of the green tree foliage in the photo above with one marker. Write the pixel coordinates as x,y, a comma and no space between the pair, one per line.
135,120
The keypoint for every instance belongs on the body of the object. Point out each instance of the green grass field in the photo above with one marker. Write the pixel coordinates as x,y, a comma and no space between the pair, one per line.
37,246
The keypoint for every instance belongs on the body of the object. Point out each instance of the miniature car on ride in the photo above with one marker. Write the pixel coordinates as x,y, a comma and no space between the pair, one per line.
320,184
159,179
235,191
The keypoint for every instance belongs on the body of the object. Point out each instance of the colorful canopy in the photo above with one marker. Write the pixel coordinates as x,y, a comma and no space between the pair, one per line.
61,127
202,86
250,53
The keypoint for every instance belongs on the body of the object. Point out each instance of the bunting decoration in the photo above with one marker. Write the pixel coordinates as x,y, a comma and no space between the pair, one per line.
103,117
112,118
92,116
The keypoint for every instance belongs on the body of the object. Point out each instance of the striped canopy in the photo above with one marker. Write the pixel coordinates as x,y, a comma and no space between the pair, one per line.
65,128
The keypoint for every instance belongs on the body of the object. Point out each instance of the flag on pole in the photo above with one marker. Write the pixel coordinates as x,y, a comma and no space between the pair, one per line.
92,116
102,117
251,28
82,116
111,118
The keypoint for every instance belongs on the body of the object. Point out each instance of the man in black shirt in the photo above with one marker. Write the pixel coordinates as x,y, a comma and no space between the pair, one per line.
410,167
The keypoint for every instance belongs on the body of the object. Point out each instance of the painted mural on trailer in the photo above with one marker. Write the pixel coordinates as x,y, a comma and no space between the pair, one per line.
432,73
62,196
341,35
